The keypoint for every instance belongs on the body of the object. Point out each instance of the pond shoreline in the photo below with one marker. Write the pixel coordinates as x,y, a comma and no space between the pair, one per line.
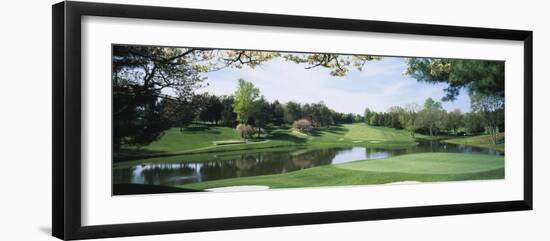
181,169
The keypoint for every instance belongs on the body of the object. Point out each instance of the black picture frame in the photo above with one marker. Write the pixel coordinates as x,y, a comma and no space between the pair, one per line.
66,128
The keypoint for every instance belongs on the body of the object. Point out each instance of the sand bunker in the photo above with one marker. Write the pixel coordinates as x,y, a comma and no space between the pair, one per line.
405,182
238,188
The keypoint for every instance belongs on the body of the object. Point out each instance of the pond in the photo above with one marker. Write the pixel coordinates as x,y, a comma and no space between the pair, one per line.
214,166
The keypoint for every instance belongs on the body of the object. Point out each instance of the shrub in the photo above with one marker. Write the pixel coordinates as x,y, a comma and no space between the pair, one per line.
245,130
303,125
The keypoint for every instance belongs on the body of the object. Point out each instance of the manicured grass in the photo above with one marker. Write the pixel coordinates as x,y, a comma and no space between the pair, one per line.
425,167
202,138
196,139
192,138
480,141
376,135
354,135
429,163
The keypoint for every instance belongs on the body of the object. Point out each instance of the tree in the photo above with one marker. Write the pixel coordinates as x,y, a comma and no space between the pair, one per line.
473,122
261,114
358,118
373,120
303,125
243,105
277,113
478,76
293,111
307,113
138,119
348,118
393,117
491,109
320,114
339,64
210,108
338,118
139,75
454,120
431,115
409,118
367,115
228,117
245,131
381,119
180,111
142,73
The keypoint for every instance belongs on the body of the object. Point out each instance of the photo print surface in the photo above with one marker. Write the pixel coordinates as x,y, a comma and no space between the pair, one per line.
188,119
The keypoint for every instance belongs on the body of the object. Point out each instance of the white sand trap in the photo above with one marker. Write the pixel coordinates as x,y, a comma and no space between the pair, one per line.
405,182
238,188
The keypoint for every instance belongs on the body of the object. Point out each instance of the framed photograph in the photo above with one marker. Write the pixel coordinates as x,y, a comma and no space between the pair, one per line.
169,120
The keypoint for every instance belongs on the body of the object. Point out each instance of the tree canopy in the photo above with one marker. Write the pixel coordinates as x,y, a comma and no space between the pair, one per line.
432,115
245,96
478,76
143,74
154,88
491,109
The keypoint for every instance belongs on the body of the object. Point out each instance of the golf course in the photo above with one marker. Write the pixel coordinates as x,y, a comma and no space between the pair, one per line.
205,138
188,119
286,158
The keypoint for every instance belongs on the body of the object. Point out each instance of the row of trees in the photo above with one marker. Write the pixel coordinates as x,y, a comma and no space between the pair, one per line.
248,110
141,74
484,81
487,116
252,109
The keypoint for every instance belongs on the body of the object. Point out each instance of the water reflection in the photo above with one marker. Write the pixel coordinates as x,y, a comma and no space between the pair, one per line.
220,166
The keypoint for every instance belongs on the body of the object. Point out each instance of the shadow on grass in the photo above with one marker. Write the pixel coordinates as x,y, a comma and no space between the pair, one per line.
197,128
287,137
336,129
130,154
201,128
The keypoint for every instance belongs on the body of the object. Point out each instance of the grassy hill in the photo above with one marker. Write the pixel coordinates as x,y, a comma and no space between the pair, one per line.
376,134
202,138
424,167
480,141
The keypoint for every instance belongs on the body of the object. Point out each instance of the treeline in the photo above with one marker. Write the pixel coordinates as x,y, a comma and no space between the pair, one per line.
247,107
487,116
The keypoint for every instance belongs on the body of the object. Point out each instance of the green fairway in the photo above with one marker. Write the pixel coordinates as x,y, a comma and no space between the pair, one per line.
192,138
201,139
429,163
480,141
425,167
376,134
200,118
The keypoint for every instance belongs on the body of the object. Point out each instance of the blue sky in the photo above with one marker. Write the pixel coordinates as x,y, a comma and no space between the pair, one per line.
380,85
